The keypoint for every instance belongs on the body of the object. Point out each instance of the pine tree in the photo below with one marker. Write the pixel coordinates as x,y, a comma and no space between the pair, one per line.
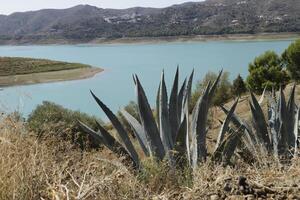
238,87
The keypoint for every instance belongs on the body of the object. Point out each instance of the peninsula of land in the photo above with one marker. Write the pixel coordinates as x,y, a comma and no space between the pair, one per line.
24,71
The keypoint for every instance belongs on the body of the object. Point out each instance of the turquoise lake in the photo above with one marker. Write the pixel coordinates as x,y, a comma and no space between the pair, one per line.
115,86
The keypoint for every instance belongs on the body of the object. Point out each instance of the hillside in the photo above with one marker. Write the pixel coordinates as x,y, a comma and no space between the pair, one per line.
85,23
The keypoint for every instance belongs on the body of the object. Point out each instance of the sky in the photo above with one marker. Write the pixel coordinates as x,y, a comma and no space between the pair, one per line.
10,6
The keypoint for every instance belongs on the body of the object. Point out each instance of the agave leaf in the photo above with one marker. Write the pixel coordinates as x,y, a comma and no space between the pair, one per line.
250,138
187,93
274,125
157,106
291,120
283,143
180,145
296,129
259,122
226,123
111,142
164,121
261,100
98,139
231,144
198,124
134,79
138,130
173,107
105,138
214,87
180,101
149,123
119,128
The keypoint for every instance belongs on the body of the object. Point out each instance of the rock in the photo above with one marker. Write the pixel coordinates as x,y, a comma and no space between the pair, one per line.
250,197
260,192
242,181
214,197
292,196
227,187
235,197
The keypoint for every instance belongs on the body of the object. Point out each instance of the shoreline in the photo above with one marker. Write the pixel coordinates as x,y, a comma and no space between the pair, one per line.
49,77
198,38
155,40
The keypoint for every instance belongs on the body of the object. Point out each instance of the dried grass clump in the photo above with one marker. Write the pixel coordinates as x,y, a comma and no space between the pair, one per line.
35,169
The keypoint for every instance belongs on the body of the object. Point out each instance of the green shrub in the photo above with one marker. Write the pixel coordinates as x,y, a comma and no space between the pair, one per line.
50,119
291,59
266,71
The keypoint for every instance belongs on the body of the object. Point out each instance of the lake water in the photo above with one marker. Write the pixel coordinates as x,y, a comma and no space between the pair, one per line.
115,86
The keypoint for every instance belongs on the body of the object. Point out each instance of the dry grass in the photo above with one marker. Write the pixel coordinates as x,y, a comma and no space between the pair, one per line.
53,169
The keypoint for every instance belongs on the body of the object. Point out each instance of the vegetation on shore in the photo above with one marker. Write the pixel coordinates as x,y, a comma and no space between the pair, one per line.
20,71
10,66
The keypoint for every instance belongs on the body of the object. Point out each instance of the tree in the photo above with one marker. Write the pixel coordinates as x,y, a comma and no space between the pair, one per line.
291,59
238,87
223,92
266,71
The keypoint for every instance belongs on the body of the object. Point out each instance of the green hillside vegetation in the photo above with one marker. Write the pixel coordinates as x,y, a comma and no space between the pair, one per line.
18,66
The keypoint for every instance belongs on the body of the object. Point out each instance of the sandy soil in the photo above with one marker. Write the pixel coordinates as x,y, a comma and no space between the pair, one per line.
47,77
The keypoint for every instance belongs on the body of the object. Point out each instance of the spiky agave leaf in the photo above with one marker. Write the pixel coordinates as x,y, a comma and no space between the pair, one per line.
98,138
180,101
296,130
180,144
291,120
164,121
173,107
261,100
138,131
198,126
119,128
231,144
274,124
283,145
157,105
227,147
149,123
259,122
214,87
249,137
110,142
199,120
225,125
188,90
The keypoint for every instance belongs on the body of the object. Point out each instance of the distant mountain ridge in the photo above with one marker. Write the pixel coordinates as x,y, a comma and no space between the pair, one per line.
85,23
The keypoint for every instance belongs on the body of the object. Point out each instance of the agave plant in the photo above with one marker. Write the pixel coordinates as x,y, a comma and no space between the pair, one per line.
174,134
275,136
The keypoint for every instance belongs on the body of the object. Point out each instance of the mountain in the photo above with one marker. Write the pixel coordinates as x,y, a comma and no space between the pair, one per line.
84,23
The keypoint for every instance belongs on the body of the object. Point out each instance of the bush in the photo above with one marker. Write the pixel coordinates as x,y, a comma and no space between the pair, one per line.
223,92
291,59
238,86
266,71
50,119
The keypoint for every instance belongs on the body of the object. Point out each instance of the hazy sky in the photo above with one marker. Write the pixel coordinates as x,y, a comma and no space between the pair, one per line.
10,6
